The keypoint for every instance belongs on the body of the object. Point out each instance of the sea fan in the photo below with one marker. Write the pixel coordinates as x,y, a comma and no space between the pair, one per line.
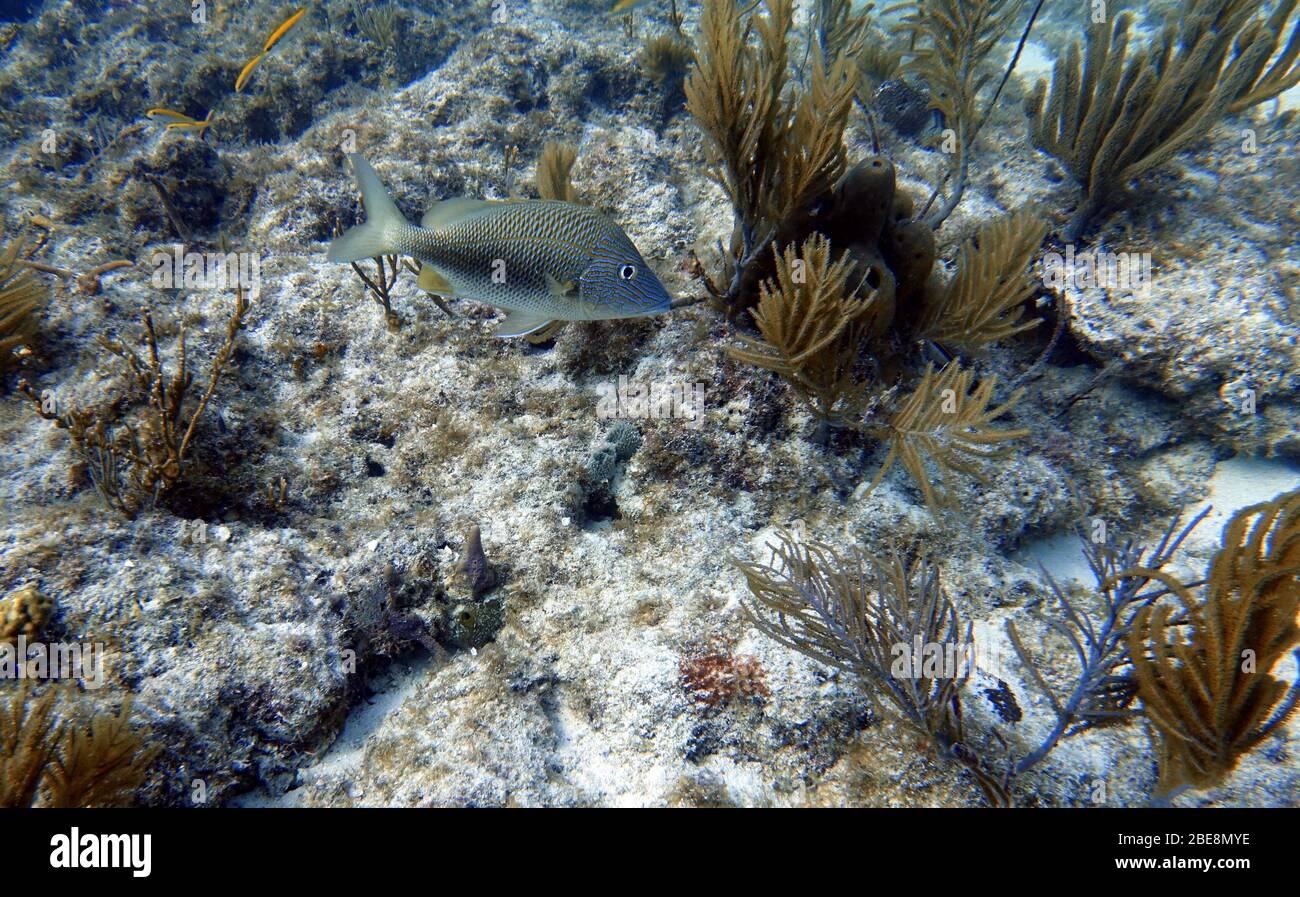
553,168
1113,114
984,302
774,150
952,40
1104,689
1204,674
862,614
48,758
813,325
945,423
21,296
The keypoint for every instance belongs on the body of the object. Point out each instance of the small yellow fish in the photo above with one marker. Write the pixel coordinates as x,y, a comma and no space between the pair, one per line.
621,6
271,41
163,112
246,71
283,29
179,121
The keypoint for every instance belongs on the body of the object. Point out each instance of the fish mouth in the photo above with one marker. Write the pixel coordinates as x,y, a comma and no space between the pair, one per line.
663,300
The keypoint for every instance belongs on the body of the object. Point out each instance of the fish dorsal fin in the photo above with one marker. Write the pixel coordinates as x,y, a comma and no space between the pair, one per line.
522,323
432,282
441,214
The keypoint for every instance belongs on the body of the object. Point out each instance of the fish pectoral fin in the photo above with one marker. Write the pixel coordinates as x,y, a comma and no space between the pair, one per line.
442,213
522,323
566,289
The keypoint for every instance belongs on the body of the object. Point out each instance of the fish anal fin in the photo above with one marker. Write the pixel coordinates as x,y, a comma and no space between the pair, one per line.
546,334
522,323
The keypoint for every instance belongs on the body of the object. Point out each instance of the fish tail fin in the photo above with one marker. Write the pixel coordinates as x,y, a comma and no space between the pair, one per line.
374,237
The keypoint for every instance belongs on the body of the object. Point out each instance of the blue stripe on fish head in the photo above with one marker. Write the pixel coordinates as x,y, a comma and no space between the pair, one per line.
618,280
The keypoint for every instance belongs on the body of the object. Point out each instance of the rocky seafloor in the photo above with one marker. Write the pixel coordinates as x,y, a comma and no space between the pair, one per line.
319,649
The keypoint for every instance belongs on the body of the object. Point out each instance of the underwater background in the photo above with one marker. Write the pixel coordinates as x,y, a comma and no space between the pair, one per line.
953,362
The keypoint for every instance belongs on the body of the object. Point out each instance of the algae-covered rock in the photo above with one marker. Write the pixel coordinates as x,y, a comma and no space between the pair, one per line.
310,622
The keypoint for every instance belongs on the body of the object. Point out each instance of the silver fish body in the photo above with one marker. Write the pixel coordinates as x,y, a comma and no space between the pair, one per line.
543,260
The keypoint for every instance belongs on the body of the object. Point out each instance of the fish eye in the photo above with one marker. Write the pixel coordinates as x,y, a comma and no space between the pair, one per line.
627,272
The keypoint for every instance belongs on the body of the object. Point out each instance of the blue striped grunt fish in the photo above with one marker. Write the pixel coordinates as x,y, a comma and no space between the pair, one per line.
542,260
